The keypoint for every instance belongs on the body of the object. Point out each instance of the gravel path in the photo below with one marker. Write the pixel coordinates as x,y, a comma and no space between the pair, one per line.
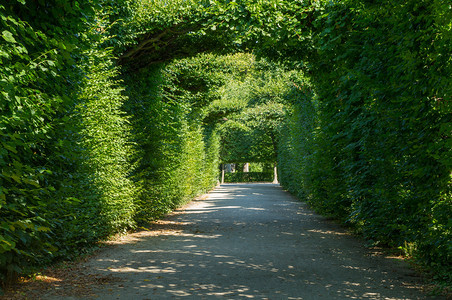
246,241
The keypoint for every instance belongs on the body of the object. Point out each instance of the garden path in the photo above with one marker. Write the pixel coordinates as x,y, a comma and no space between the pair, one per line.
244,241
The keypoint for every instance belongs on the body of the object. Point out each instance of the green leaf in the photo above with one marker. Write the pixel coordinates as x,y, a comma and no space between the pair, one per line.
10,148
8,36
4,54
6,245
43,228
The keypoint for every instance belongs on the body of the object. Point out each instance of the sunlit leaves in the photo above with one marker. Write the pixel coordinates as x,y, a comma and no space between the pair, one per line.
50,206
174,129
256,105
8,36
375,151
366,138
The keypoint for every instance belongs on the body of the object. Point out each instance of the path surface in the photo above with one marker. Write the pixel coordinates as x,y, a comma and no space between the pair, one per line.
247,241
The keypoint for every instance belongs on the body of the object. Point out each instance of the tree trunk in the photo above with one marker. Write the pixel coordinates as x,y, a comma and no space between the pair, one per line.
222,173
246,167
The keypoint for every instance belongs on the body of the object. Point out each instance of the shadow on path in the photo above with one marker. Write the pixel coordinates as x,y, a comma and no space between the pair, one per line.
248,241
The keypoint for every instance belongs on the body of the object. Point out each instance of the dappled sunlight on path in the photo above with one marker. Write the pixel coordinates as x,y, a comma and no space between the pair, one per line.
248,241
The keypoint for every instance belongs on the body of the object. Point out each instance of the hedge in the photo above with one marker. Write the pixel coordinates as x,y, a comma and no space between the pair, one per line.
248,177
370,143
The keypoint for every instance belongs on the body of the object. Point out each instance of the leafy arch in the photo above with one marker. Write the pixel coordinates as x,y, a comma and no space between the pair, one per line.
103,102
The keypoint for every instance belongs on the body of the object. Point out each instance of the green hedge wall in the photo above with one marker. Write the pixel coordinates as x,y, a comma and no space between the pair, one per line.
373,146
83,155
64,139
176,137
248,177
89,149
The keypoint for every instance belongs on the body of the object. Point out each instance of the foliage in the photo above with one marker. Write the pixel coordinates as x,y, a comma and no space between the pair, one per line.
373,141
34,92
175,128
248,177
64,166
89,148
252,130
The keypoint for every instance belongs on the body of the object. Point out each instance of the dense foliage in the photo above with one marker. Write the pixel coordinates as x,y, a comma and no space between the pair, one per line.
373,146
77,162
248,177
109,118
175,128
251,132
64,181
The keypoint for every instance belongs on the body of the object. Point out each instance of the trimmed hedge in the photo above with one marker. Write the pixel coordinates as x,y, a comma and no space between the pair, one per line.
89,149
174,154
248,177
81,157
373,146
64,181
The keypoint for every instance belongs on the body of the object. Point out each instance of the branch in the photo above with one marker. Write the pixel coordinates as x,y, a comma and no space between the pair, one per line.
143,44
